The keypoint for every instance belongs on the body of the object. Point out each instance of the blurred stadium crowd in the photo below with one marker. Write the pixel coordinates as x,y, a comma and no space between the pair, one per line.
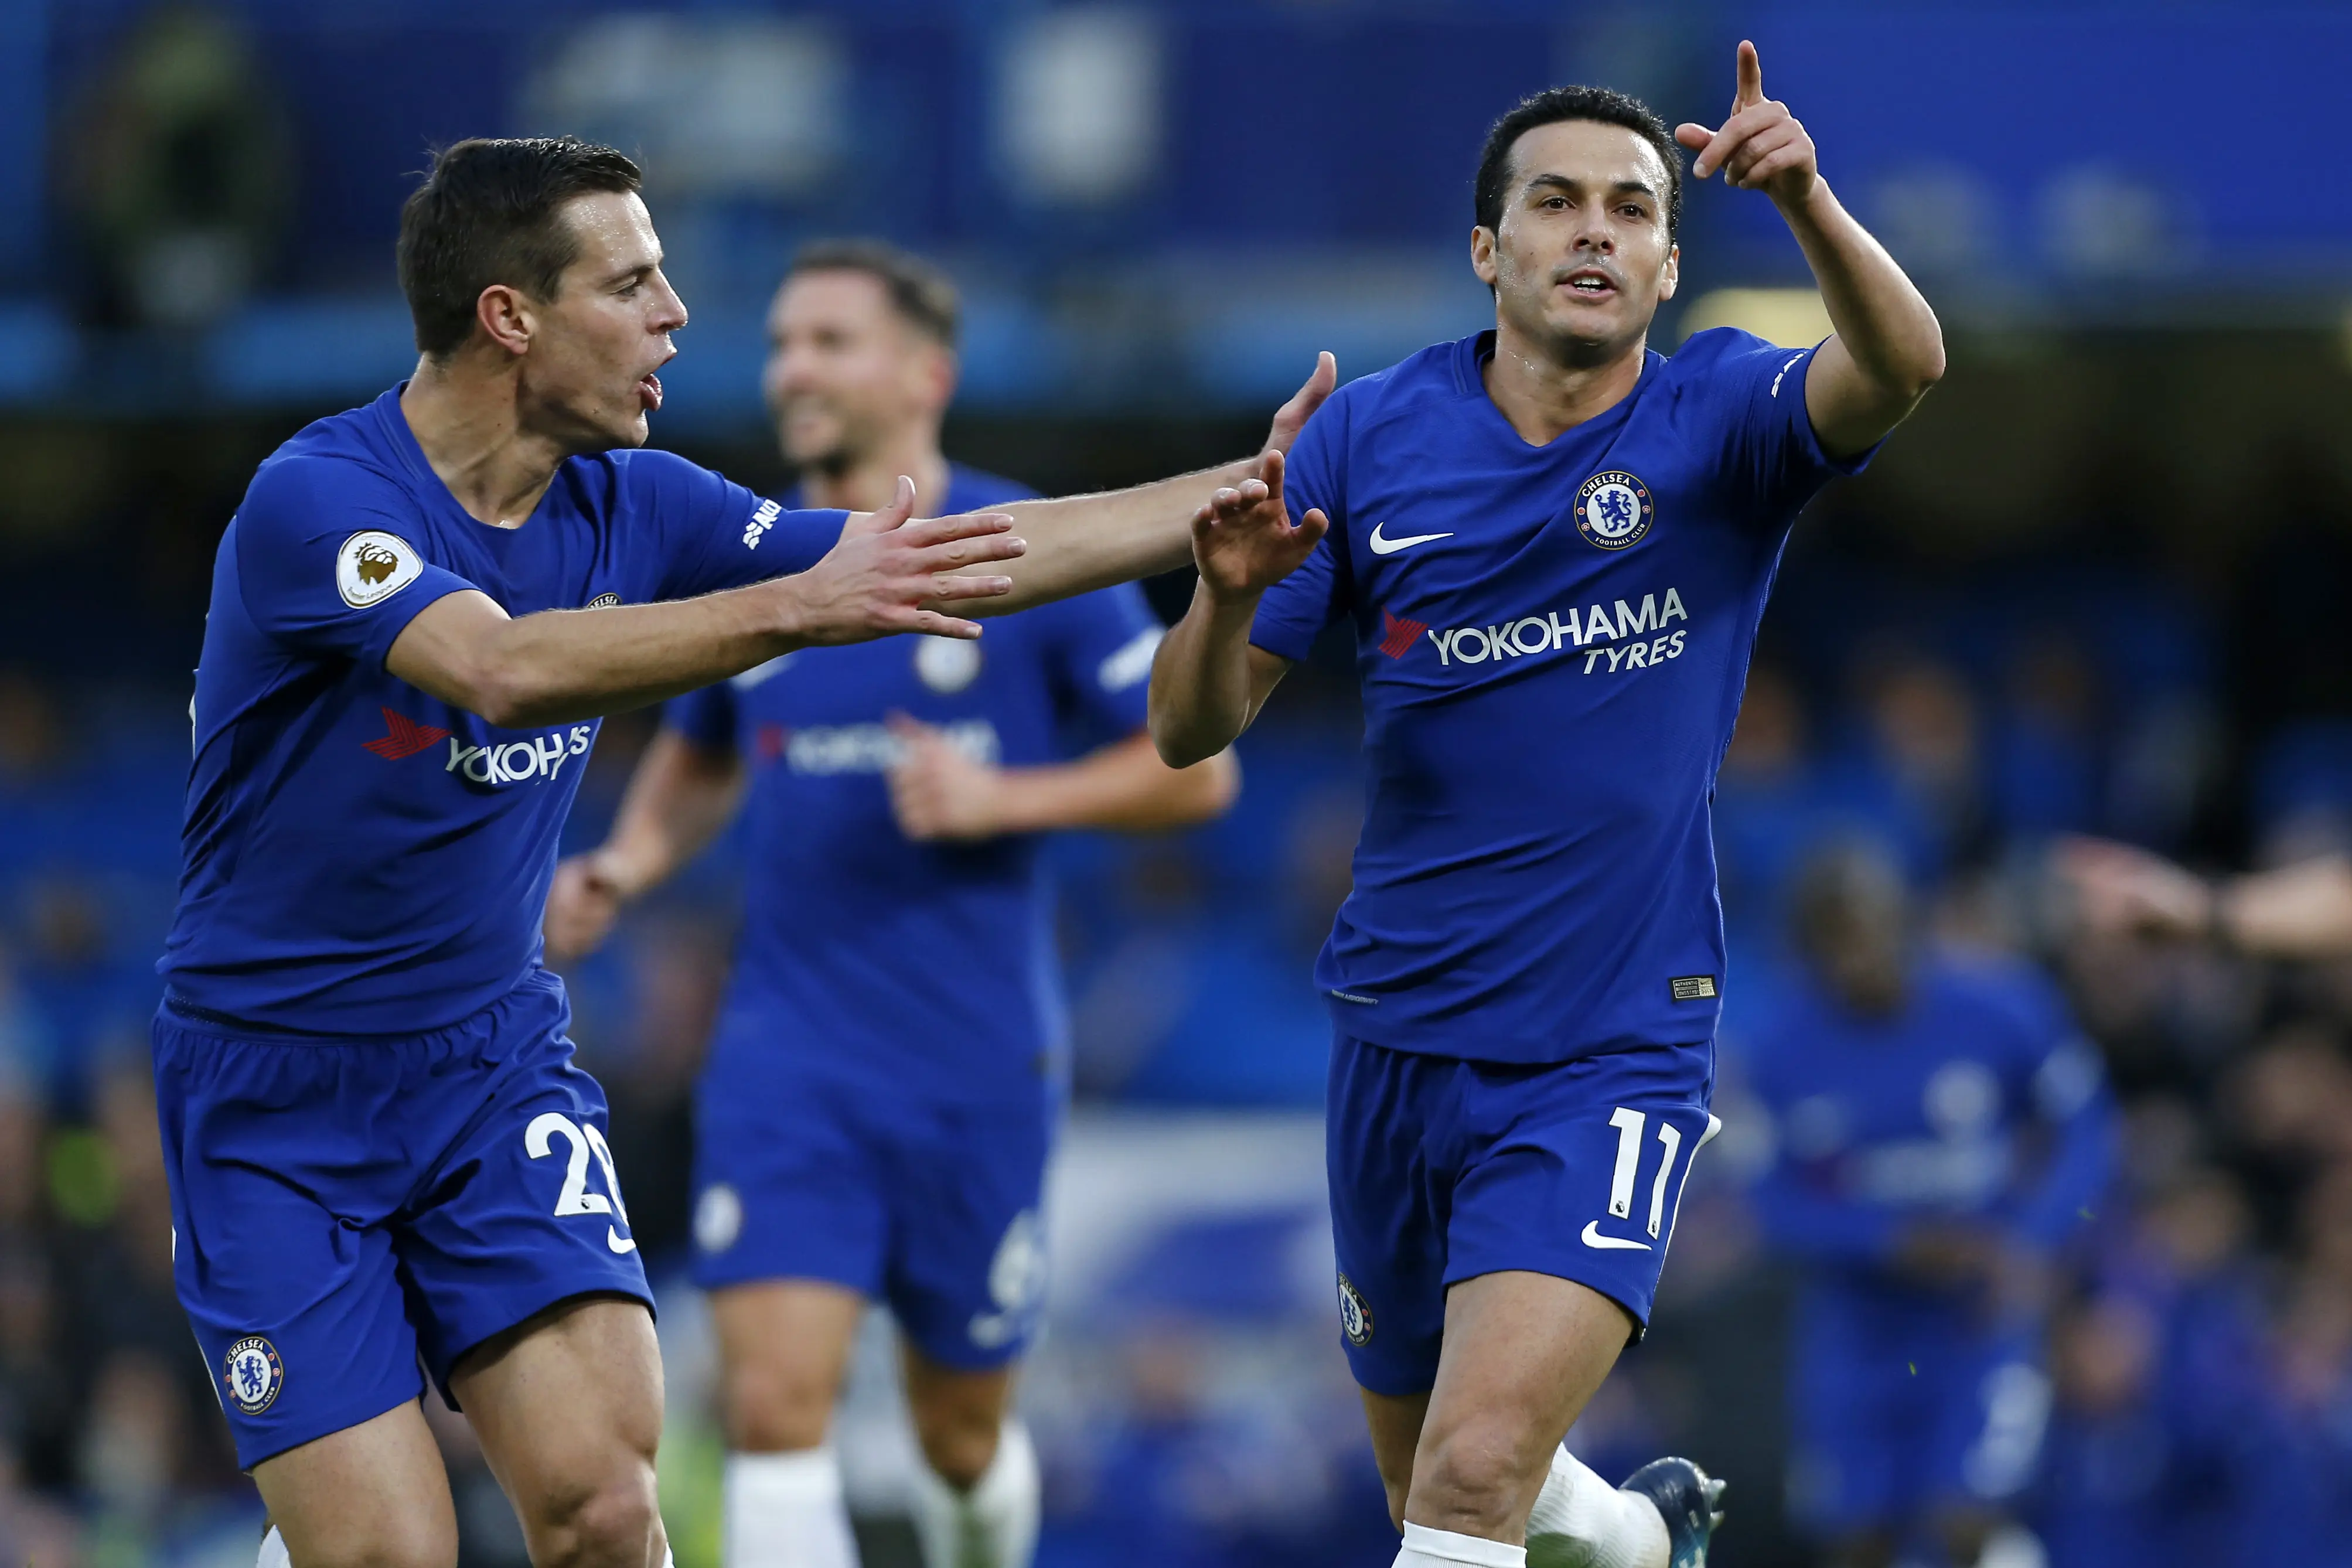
2086,661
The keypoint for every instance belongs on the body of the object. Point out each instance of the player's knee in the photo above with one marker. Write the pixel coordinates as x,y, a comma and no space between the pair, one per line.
408,1537
613,1520
777,1407
960,1441
1472,1478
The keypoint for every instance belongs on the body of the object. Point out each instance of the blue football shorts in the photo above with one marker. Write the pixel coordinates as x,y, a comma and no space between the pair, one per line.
807,1169
1900,1411
345,1209
1443,1169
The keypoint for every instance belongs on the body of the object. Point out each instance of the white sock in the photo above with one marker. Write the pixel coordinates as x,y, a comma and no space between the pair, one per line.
995,1524
784,1510
1581,1521
1427,1548
273,1551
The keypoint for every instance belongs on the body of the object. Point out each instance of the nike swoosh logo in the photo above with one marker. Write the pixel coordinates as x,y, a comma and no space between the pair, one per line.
1382,546
1592,1237
619,1243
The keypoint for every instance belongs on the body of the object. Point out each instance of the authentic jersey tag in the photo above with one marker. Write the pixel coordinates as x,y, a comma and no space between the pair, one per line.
1694,988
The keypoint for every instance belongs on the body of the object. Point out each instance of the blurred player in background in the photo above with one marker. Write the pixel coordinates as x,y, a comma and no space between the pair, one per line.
381,1154
889,1071
1553,545
1940,1127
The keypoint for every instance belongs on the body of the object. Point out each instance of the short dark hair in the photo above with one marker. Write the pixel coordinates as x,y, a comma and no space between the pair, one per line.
924,297
488,212
1554,105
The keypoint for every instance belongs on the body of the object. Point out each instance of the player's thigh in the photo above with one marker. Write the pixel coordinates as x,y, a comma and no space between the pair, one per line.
283,1201
369,1496
1524,1353
958,1412
784,1350
523,1210
568,1407
967,1269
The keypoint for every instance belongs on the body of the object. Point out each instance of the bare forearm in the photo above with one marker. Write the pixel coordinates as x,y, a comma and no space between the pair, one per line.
1202,689
1123,786
2297,911
560,666
1079,543
1881,318
678,800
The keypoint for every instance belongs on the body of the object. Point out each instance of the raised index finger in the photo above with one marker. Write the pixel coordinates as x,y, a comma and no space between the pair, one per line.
1751,78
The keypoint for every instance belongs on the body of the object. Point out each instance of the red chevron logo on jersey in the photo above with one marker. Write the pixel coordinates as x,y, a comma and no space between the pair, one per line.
1398,636
403,737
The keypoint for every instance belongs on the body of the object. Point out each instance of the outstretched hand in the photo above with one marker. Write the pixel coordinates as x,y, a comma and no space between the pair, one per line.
1243,539
1761,146
2121,890
887,565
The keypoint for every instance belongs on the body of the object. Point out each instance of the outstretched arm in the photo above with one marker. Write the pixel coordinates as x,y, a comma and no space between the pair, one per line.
1078,543
1887,349
680,798
885,576
938,792
1207,681
2303,910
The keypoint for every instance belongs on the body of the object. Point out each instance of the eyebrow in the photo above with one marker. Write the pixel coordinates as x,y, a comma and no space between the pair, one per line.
1620,187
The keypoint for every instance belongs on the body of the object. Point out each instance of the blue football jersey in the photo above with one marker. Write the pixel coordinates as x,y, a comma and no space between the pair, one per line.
1551,642
359,858
929,964
1979,1100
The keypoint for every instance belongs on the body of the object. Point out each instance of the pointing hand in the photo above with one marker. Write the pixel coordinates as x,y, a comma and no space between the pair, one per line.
1761,146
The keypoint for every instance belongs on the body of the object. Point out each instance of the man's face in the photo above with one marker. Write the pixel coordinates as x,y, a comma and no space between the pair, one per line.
1580,259
846,375
589,375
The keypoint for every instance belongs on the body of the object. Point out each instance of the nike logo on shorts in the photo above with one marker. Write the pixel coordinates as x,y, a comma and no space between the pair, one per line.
1592,1237
1382,546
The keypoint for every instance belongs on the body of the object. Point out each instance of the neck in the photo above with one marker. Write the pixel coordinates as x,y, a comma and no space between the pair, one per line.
468,421
1544,389
867,482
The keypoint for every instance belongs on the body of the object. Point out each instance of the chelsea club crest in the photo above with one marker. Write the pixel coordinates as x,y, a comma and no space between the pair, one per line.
1355,1317
1614,510
253,1375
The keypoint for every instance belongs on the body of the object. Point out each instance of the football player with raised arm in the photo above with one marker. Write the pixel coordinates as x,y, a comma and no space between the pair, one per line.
1553,544
863,1132
379,1151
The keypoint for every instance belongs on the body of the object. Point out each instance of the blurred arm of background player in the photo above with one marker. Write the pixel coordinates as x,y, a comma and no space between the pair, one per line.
683,795
2303,910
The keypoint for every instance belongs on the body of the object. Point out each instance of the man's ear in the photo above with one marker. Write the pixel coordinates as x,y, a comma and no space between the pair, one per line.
1482,254
1672,275
506,314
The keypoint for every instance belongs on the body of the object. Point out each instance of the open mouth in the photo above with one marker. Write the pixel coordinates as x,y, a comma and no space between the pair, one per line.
1591,285
649,392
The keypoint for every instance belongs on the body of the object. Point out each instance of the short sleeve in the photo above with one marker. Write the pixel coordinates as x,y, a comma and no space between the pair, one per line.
1771,453
1295,611
714,533
1099,651
328,561
707,718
